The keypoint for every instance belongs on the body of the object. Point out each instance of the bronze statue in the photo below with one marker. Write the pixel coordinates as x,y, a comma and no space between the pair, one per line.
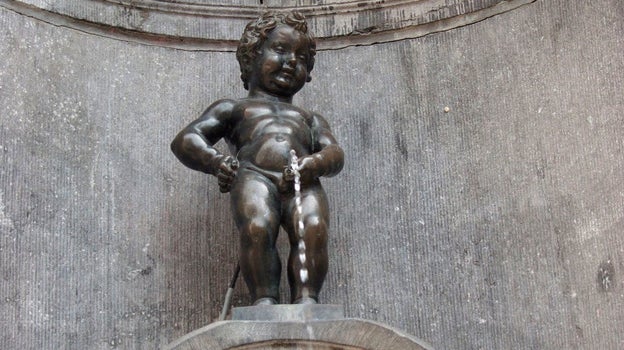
276,55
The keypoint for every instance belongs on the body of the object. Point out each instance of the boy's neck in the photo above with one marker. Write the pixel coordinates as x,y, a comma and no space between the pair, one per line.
257,93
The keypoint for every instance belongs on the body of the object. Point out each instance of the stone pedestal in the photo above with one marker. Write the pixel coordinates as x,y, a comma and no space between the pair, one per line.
294,327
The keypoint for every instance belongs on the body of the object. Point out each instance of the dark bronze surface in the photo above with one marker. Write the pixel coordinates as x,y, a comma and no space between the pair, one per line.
276,55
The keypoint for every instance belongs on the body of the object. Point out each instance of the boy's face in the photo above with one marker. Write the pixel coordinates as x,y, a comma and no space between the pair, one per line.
281,67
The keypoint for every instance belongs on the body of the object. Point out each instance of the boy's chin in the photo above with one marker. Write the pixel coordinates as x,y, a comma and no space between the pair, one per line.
288,86
291,89
284,92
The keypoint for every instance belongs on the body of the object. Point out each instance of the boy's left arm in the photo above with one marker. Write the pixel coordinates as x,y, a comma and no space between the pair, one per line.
328,157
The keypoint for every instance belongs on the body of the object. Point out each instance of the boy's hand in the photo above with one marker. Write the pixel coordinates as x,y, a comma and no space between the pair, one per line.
308,169
227,173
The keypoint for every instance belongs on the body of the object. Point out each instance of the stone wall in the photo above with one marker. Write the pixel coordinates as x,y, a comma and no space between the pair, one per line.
494,223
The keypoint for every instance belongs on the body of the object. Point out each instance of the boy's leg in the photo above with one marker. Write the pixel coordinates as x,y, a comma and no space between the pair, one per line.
315,217
256,212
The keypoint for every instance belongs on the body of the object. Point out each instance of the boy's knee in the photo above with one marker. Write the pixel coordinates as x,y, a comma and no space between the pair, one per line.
316,230
257,232
315,222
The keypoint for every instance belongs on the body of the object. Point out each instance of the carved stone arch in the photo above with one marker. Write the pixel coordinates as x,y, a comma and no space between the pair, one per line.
216,25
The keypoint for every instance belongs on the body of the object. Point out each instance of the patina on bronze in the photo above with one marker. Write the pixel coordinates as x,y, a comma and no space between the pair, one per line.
276,56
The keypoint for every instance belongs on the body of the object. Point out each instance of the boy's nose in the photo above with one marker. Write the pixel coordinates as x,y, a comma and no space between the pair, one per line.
291,59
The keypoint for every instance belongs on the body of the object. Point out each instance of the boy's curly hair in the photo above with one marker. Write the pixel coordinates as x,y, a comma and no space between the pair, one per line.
257,31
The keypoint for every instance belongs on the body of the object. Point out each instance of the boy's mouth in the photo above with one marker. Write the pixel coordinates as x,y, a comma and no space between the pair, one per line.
285,77
288,72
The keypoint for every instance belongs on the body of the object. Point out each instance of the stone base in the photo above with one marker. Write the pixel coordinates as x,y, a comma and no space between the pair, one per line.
294,327
288,312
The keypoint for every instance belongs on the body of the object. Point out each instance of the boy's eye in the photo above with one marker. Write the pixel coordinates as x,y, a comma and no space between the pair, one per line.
279,49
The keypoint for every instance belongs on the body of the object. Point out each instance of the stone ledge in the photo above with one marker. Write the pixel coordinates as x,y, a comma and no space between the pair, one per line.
286,312
296,327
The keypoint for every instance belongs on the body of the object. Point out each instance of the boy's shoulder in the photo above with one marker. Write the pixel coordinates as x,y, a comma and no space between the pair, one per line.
224,102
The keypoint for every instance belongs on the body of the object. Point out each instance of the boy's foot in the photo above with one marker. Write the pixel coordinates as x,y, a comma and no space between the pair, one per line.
305,301
265,301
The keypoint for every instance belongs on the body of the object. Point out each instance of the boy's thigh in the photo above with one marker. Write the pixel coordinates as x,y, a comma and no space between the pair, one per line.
314,209
254,197
314,202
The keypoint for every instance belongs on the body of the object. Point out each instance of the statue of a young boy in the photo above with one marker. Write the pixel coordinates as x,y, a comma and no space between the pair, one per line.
276,55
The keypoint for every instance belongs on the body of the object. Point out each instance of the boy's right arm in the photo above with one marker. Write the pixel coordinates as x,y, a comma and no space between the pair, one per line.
193,145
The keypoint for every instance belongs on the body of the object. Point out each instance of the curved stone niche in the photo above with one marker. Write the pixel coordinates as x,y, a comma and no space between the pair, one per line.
216,25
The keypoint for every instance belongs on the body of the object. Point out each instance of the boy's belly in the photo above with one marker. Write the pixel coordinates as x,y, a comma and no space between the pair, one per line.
272,152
